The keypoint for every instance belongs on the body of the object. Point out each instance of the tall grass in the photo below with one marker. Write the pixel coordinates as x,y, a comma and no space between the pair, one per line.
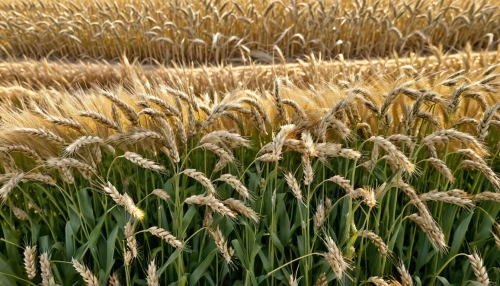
362,182
215,32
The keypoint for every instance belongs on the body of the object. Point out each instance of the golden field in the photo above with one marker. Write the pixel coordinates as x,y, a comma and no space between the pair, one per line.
249,143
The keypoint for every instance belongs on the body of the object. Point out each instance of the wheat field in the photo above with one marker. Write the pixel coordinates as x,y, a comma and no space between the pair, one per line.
242,142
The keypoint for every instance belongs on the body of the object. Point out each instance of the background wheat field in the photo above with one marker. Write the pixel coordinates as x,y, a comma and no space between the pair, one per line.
241,142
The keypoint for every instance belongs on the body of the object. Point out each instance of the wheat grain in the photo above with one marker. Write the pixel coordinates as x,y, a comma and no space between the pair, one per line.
344,183
406,279
130,237
143,162
236,184
202,179
221,243
376,240
30,261
441,167
321,281
152,279
478,267
45,269
378,281
40,132
166,236
101,118
89,278
486,170
82,141
456,197
294,187
334,257
161,194
212,202
19,213
242,209
487,196
9,186
113,280
392,151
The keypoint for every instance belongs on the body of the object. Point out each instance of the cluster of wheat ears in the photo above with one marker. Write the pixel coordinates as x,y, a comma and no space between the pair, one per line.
265,151
388,183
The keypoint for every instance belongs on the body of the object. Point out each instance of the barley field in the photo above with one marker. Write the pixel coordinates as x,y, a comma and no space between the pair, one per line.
284,142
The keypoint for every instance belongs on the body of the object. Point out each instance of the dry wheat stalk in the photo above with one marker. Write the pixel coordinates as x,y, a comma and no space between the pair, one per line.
484,123
392,151
294,187
82,141
296,108
242,209
25,149
496,235
113,280
45,269
376,240
168,109
339,264
236,184
65,122
166,236
442,136
225,139
102,119
221,243
19,213
469,153
378,281
485,169
152,279
456,197
8,163
213,203
40,132
487,196
202,179
30,261
327,119
224,155
441,167
368,195
406,279
69,163
308,171
130,237
143,162
478,267
279,102
123,200
319,215
344,183
434,234
127,110
277,144
321,281
9,186
161,194
258,107
89,278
